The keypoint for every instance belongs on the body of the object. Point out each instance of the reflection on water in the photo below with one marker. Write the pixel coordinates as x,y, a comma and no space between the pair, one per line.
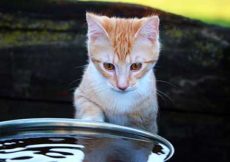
75,149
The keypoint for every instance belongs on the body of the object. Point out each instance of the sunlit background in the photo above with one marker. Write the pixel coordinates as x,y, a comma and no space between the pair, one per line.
209,11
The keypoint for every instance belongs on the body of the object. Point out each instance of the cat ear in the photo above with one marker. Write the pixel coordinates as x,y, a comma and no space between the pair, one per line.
95,28
150,29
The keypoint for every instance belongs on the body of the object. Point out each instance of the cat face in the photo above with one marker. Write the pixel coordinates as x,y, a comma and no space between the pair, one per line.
123,50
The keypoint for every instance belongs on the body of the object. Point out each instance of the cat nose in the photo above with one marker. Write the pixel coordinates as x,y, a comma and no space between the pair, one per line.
122,88
122,83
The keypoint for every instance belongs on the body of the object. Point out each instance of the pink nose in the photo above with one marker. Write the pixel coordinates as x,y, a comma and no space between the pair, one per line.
123,87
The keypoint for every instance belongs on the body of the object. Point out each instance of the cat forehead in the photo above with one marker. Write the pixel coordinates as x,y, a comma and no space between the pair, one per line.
135,56
121,33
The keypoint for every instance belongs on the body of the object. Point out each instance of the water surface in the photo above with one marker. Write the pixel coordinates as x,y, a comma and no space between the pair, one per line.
80,149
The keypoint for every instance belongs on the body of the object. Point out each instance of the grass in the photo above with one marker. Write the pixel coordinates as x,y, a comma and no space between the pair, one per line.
210,11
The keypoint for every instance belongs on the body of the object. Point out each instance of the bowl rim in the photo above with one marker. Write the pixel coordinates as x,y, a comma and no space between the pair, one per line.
69,125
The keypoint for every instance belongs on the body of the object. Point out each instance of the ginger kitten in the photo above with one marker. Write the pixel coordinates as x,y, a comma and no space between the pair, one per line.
118,85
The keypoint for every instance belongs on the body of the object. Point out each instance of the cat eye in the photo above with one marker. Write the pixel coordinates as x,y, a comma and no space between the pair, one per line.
109,66
136,66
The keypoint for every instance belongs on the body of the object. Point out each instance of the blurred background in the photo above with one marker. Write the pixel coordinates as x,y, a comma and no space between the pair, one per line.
209,11
43,52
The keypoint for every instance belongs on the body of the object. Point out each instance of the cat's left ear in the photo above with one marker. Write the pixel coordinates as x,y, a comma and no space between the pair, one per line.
149,29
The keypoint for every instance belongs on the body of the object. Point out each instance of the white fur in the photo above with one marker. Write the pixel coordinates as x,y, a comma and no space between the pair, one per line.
120,102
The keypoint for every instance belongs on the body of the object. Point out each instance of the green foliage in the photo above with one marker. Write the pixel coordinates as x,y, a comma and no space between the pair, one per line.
20,31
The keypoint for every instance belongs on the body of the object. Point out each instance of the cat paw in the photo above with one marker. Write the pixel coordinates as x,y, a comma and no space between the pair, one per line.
93,119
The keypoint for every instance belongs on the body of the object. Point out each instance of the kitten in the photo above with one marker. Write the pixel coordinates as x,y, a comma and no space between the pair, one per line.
118,85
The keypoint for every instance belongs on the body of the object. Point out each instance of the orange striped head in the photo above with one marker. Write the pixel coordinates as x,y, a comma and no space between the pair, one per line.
123,50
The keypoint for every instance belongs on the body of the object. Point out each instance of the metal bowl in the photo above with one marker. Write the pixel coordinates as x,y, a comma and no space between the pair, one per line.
106,136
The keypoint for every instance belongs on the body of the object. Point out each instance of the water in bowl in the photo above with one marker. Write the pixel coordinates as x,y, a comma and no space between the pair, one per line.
79,149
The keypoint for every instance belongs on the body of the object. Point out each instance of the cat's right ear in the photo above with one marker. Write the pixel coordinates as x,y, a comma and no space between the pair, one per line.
95,28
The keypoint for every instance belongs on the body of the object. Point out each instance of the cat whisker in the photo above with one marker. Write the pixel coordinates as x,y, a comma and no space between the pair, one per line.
139,93
76,80
82,66
73,84
168,83
165,95
162,97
